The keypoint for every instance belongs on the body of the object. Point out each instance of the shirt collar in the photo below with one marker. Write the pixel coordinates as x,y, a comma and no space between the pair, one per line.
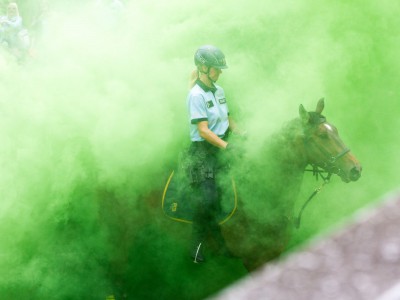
206,88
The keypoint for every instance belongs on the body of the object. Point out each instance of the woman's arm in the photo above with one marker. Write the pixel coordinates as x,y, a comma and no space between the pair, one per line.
15,24
210,136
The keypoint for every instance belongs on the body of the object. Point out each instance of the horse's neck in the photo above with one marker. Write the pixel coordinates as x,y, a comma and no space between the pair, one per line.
284,161
273,179
287,148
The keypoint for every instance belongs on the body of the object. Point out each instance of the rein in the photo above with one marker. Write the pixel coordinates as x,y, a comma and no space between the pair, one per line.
317,171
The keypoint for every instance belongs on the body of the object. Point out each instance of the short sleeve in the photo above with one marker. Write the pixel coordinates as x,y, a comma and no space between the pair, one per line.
197,109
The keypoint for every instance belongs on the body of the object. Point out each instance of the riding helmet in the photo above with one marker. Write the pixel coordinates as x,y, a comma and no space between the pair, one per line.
210,56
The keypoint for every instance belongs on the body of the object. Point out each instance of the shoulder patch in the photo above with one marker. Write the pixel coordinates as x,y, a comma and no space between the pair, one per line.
222,101
209,104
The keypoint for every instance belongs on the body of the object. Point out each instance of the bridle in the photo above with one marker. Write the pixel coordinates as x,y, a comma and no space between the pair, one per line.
329,165
319,169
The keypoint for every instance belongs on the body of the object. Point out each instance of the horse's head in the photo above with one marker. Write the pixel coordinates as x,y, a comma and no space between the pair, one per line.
324,148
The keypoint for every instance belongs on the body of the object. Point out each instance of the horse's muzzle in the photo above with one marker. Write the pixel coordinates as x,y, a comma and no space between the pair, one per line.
355,173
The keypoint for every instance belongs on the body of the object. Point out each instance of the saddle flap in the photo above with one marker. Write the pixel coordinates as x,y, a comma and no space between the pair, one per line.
178,205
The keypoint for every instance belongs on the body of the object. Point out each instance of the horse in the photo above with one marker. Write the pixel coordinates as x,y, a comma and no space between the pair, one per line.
267,186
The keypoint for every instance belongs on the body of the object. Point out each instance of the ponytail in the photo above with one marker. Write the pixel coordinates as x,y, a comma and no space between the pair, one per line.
194,75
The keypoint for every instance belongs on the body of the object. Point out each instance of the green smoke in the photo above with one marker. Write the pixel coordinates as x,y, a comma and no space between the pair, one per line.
91,126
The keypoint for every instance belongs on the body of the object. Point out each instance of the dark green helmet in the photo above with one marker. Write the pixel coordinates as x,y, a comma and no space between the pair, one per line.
210,56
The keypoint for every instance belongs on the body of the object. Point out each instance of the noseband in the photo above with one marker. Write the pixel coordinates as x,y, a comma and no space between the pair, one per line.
330,164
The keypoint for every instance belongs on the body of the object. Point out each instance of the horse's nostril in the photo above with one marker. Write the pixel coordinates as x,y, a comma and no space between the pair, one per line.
355,174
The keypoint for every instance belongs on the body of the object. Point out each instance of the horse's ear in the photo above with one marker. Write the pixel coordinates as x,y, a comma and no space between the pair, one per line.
304,115
320,106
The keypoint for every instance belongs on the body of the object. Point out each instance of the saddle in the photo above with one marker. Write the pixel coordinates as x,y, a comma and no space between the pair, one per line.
177,204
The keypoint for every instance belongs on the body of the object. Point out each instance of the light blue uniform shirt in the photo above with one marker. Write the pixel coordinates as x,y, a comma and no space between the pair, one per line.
207,104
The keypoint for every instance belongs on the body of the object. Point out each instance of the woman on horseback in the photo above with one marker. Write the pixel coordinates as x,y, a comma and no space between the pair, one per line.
210,124
13,35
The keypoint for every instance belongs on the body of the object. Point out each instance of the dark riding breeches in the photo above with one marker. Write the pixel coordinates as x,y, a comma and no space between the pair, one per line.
207,207
203,167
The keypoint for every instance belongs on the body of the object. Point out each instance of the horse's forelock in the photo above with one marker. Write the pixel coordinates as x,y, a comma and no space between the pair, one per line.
316,118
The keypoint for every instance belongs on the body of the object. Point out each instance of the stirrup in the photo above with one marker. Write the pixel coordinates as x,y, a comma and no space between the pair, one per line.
198,256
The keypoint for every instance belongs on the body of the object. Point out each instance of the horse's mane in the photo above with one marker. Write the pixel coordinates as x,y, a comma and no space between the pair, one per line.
290,130
271,179
283,138
283,144
295,128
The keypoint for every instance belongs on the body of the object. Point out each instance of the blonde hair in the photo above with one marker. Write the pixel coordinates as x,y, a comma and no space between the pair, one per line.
194,75
15,5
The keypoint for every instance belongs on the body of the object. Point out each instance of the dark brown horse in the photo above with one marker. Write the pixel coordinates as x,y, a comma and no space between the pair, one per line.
269,184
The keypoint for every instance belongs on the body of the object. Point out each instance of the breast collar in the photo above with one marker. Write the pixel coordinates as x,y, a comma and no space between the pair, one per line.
206,88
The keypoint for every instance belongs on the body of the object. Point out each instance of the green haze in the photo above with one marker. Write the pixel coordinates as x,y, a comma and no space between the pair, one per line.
91,125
